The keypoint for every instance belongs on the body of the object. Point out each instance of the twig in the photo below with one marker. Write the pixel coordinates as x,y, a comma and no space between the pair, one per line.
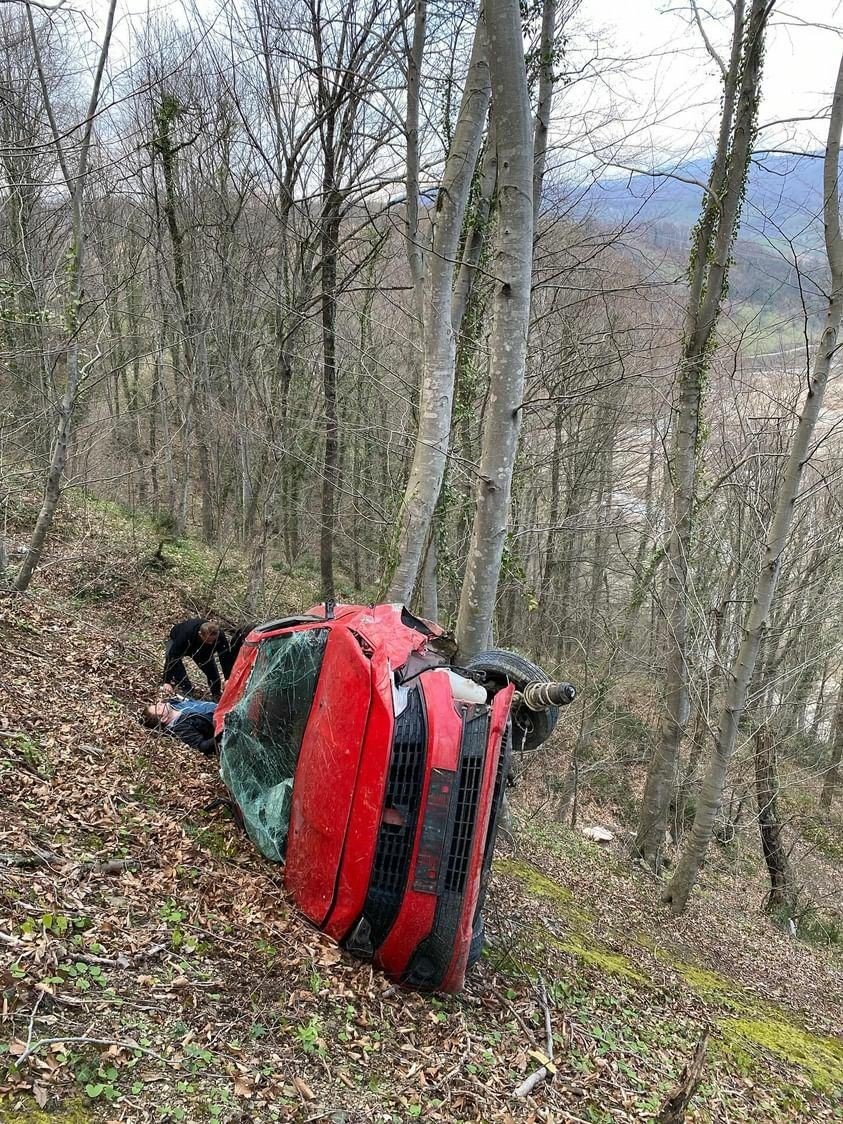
32,1019
546,1071
47,858
23,651
673,1109
111,866
121,961
35,1047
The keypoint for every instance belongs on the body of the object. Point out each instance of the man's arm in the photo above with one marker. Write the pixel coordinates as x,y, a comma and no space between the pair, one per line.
211,672
178,644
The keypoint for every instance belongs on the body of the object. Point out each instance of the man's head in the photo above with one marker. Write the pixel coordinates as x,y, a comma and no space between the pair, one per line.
155,715
209,632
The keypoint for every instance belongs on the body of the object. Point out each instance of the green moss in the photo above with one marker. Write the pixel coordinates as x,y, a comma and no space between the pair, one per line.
538,884
820,1058
709,985
612,963
71,1112
214,839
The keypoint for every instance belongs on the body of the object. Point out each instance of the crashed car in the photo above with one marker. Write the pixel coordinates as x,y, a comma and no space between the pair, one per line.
358,755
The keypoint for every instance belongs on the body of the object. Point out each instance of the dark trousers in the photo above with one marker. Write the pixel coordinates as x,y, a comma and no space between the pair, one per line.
176,673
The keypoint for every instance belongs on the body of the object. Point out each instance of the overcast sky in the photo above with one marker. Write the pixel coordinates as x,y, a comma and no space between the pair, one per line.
663,93
645,92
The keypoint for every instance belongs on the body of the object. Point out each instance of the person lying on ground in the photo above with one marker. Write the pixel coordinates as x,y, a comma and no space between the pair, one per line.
189,720
203,641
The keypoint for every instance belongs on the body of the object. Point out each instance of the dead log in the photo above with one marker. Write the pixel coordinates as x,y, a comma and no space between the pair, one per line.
674,1107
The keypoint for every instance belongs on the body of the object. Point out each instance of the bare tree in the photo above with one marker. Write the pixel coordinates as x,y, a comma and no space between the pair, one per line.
437,385
757,618
75,180
511,317
832,776
709,267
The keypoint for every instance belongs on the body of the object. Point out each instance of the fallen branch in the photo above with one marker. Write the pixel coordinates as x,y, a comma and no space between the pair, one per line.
111,866
547,1069
36,1046
28,862
120,961
673,1109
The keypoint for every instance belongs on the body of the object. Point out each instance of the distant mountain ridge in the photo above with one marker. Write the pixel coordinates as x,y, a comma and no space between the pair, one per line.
783,199
781,225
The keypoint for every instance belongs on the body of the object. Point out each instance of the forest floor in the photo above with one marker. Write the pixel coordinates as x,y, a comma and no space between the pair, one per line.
152,968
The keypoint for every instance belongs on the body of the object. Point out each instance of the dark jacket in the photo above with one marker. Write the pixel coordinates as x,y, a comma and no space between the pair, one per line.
194,730
184,640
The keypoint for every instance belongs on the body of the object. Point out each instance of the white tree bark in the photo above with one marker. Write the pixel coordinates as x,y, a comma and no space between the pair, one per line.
755,624
832,777
511,317
437,385
75,183
415,250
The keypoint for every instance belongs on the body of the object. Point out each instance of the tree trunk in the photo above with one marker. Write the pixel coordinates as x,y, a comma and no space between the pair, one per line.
782,890
415,251
437,385
75,182
510,324
544,103
832,777
755,624
709,271
330,242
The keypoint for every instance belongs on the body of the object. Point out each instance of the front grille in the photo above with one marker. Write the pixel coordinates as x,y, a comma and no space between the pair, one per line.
469,782
402,800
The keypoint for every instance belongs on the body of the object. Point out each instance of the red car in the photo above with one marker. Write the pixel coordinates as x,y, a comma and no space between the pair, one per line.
376,771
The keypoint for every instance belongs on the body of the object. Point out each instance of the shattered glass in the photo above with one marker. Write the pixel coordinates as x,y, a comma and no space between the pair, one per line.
264,732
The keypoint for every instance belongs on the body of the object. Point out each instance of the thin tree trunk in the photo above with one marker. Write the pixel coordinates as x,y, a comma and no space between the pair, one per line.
755,625
437,385
475,241
75,182
832,777
330,463
710,261
415,250
511,316
782,890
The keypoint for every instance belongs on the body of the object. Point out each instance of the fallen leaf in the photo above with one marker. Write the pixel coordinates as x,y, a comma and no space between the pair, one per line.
304,1090
242,1088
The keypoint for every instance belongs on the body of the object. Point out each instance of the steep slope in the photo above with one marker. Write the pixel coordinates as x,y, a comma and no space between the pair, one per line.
152,969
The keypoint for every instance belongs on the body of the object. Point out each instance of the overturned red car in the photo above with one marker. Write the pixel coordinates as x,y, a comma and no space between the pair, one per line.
375,770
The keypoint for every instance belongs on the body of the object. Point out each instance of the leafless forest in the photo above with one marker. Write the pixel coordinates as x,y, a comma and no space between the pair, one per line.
320,284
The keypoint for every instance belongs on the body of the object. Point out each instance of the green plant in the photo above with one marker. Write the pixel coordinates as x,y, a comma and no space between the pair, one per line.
309,1037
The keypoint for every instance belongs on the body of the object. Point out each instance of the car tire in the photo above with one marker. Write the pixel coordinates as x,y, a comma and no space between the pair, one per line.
532,728
478,941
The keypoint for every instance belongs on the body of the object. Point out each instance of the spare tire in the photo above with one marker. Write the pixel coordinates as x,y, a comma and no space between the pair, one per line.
532,727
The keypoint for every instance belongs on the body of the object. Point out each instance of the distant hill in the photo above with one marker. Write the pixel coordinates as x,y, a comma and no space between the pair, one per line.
783,200
781,217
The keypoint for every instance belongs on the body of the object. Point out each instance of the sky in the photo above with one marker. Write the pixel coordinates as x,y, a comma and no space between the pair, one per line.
660,99
644,92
